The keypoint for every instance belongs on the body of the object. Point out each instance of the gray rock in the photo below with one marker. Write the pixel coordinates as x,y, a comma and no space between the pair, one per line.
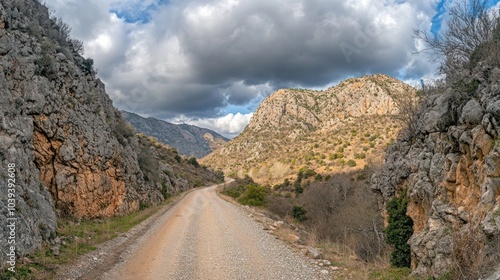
314,253
494,109
439,114
472,113
55,251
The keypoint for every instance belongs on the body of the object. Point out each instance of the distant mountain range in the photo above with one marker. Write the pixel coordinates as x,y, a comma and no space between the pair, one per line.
189,140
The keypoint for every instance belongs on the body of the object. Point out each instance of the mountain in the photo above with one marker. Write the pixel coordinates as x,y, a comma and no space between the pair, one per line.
449,174
339,129
65,151
189,140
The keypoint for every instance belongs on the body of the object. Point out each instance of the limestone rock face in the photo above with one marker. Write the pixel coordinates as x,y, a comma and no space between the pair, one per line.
451,170
73,152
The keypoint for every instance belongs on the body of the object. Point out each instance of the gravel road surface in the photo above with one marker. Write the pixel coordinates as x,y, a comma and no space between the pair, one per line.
206,237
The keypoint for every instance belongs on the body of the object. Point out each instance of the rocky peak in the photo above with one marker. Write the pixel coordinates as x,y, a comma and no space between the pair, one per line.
311,110
295,128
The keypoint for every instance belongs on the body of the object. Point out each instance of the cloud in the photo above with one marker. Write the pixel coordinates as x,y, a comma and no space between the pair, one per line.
198,58
229,125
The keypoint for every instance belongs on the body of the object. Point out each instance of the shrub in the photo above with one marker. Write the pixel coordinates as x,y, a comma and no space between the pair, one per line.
318,177
254,195
298,189
88,66
148,164
399,230
164,190
234,191
351,163
219,175
307,172
360,156
45,63
299,213
193,162
280,206
177,158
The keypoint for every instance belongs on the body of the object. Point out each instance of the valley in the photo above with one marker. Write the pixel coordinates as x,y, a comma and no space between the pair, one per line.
368,178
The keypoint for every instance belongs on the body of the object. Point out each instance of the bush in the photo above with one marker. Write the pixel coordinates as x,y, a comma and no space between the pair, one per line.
88,66
351,163
399,230
233,191
45,63
280,206
360,156
318,177
254,195
299,213
193,162
148,164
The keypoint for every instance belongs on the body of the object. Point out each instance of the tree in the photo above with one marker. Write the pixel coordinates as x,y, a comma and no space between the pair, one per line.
399,230
471,23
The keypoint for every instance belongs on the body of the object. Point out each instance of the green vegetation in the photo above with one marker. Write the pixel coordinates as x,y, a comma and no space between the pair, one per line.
392,274
234,192
193,162
399,230
254,195
299,213
247,192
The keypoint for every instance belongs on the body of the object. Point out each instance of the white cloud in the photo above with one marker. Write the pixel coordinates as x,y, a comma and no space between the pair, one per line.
229,125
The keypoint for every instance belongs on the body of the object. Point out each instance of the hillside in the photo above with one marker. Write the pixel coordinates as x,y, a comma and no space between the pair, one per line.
66,150
189,140
339,129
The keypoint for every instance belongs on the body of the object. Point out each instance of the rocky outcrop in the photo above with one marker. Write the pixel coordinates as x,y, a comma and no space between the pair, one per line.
73,152
451,171
322,130
189,140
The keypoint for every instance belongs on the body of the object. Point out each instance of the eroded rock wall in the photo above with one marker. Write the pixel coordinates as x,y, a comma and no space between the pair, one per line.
451,169
74,154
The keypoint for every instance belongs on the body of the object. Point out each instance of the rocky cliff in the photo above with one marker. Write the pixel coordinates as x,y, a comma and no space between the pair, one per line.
451,173
337,129
71,151
189,140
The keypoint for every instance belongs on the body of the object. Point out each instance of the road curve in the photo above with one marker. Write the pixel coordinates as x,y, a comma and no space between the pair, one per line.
205,237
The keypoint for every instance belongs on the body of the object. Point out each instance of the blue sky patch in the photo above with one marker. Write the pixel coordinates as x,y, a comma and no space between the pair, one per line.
441,10
137,12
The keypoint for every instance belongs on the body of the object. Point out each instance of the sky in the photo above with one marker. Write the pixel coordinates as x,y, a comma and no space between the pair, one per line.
211,62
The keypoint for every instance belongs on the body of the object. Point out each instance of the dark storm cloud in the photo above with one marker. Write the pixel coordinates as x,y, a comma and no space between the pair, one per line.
195,58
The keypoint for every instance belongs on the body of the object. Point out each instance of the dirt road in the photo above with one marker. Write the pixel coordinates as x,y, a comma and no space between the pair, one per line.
205,237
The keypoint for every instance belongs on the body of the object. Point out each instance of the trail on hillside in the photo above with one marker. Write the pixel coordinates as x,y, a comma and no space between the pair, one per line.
205,237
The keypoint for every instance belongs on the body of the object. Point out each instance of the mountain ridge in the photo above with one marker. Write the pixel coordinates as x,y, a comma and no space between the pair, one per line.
304,123
189,140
